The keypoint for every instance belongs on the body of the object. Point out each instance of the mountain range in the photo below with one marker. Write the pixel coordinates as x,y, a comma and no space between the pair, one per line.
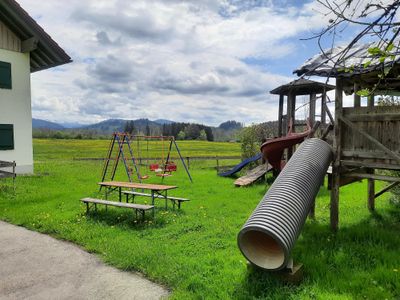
112,125
226,131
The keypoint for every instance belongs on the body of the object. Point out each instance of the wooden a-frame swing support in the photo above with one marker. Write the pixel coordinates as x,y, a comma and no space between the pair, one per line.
118,142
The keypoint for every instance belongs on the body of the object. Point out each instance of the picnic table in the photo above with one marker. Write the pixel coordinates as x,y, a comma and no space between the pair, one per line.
157,191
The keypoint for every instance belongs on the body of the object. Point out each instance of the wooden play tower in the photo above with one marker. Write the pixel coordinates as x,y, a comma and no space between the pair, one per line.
287,97
366,136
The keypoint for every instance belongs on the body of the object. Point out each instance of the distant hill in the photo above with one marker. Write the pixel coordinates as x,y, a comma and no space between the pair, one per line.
230,125
226,131
163,121
112,125
71,125
43,124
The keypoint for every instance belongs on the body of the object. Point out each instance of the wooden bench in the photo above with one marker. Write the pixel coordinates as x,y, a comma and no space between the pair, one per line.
173,199
137,207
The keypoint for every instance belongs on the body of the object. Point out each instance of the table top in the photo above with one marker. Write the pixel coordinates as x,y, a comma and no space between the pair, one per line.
134,185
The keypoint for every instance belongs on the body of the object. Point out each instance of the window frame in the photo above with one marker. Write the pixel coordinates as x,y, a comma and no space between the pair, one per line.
6,67
7,129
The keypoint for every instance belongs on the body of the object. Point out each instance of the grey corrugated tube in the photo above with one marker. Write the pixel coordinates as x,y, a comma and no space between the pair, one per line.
269,234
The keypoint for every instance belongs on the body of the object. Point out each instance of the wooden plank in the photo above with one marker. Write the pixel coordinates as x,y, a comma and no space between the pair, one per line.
5,164
29,44
371,191
334,203
387,188
8,39
357,98
253,175
118,204
371,101
280,113
347,111
156,187
155,196
372,176
323,108
371,139
378,117
369,164
313,99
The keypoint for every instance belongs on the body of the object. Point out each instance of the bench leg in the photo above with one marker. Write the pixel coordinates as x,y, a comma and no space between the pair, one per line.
95,207
142,215
179,204
87,207
106,207
152,203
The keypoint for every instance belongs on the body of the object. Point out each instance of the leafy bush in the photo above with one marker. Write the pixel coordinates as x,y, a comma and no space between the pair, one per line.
251,138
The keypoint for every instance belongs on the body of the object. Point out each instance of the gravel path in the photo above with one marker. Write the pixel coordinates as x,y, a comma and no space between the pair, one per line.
37,266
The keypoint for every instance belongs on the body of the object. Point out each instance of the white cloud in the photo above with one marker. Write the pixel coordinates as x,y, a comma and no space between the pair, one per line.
179,60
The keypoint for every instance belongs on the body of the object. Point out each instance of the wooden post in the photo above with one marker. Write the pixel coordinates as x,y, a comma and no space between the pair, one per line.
216,157
371,191
323,108
293,113
371,99
188,161
291,107
280,113
288,111
357,98
334,209
313,99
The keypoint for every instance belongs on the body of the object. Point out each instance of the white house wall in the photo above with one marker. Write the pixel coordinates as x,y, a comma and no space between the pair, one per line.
15,108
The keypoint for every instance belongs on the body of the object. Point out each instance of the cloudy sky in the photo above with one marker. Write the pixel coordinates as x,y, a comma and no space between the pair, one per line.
203,61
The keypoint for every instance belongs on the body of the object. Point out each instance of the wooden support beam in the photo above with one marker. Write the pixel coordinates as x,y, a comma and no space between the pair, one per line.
368,164
280,113
313,99
387,188
291,107
29,44
371,191
328,111
371,101
370,138
357,98
323,108
372,176
334,205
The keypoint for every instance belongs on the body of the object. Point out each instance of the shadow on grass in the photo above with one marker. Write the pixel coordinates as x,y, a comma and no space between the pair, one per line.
360,261
128,218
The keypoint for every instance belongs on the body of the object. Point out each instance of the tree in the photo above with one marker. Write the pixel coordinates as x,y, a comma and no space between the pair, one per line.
129,127
181,135
251,138
374,20
192,132
148,133
203,135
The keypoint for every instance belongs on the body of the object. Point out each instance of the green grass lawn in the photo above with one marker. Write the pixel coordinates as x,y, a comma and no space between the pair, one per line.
193,251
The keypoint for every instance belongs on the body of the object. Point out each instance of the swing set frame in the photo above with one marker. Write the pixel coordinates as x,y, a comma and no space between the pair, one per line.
123,140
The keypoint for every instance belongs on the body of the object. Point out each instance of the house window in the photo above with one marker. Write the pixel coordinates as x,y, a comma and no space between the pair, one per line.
6,137
5,75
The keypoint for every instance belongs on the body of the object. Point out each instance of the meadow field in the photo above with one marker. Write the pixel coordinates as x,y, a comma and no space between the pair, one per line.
193,251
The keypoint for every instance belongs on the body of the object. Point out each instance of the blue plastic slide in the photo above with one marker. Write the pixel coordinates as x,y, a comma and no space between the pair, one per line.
240,166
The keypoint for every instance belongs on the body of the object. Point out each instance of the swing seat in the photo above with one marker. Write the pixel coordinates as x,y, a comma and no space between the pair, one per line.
163,175
154,167
171,167
144,177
